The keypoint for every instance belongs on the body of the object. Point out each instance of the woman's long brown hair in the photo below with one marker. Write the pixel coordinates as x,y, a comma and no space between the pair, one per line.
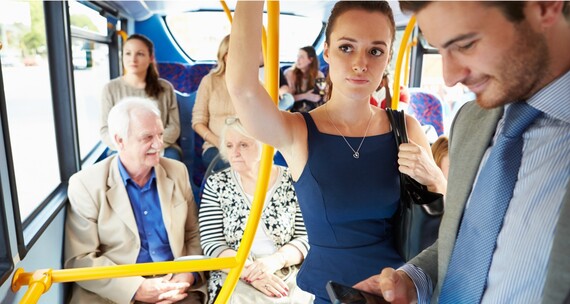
313,71
153,87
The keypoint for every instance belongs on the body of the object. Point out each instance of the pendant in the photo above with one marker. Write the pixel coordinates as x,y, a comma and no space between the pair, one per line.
356,155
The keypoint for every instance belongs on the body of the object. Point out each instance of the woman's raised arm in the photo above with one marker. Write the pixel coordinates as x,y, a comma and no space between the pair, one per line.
253,104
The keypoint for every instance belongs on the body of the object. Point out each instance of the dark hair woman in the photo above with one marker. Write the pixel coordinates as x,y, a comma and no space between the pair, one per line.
141,79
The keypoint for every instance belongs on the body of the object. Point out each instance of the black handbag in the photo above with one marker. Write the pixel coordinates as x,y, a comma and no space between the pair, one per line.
420,211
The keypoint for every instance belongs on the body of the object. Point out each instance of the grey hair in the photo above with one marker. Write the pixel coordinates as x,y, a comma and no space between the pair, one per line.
119,117
234,124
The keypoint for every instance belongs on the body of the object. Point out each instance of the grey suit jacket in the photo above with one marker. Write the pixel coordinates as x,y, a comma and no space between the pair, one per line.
101,230
472,132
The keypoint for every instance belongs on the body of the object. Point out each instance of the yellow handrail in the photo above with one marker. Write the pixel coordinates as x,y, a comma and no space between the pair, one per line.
412,43
41,280
397,73
270,45
226,10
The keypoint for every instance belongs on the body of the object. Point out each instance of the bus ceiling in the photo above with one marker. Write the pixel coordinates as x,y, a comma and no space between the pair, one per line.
141,10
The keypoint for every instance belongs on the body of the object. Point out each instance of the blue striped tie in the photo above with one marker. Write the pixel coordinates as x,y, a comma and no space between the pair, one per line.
482,220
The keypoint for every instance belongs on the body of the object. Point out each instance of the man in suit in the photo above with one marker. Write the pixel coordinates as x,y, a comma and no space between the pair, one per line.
134,207
511,55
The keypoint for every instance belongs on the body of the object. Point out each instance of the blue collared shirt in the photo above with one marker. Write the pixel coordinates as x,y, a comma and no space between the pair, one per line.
155,246
520,261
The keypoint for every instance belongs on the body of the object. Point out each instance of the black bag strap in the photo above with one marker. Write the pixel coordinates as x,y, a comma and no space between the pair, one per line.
398,123
420,195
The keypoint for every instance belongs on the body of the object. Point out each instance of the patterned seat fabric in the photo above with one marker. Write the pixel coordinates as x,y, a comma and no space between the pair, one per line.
184,77
427,109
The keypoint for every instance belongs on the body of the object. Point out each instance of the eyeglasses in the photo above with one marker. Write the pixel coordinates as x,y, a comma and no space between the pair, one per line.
231,120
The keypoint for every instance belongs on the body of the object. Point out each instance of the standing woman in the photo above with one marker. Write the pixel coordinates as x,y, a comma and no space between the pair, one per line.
349,197
302,77
141,80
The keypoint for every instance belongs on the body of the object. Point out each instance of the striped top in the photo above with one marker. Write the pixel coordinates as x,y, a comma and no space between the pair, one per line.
520,261
225,208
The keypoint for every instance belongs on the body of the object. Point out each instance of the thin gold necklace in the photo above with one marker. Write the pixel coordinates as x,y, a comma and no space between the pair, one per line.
356,153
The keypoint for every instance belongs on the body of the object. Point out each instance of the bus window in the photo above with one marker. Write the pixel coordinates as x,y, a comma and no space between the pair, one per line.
30,116
91,73
90,58
451,97
87,19
298,31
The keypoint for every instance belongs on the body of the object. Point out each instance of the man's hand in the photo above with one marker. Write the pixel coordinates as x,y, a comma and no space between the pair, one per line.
162,290
394,286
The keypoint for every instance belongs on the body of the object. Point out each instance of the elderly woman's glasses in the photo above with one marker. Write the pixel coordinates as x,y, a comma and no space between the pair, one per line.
231,120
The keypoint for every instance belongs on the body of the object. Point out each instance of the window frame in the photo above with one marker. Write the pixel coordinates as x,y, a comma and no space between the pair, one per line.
58,37
318,38
6,262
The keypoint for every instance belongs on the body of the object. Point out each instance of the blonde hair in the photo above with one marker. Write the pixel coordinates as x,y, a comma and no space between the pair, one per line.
220,68
440,149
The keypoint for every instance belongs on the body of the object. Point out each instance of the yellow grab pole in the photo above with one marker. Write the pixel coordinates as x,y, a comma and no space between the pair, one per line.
40,281
405,39
227,10
412,43
271,58
122,34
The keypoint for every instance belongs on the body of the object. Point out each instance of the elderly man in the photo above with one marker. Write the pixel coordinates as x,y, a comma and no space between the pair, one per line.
134,207
505,235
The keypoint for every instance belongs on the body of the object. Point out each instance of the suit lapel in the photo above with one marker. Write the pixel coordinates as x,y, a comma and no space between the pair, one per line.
119,199
472,134
165,187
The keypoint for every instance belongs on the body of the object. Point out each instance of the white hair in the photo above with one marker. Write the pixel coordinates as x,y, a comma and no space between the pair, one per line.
119,117
234,124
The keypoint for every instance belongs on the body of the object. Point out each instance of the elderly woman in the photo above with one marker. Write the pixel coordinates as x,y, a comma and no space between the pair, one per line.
280,243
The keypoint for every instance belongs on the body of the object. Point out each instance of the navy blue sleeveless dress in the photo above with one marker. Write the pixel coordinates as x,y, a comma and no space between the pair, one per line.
347,205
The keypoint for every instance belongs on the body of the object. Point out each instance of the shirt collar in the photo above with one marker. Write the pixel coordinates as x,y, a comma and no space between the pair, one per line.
126,177
554,98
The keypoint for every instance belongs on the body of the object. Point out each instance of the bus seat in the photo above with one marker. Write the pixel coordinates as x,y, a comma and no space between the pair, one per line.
184,77
325,69
187,139
209,171
427,109
176,73
197,71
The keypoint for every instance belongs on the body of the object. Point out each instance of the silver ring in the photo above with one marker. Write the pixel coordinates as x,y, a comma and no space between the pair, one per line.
266,286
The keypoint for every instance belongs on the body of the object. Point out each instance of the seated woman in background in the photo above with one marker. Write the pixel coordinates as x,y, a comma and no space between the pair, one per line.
440,151
269,275
213,105
386,94
302,78
141,79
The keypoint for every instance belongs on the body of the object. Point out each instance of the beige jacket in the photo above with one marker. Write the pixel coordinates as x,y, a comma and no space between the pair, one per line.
100,228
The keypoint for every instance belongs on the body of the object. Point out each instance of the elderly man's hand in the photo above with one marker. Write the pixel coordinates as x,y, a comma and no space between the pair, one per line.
164,290
394,286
